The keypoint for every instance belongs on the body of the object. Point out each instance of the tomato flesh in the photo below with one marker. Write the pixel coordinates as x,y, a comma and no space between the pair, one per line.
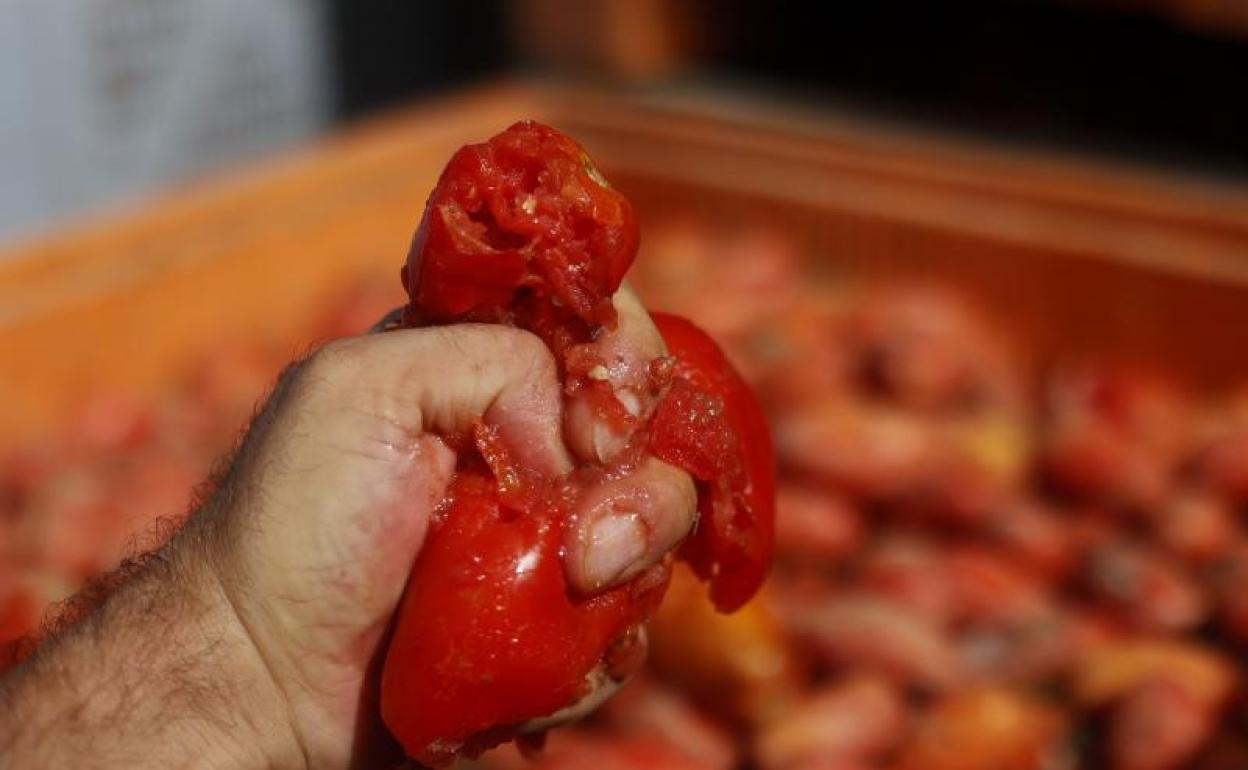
526,210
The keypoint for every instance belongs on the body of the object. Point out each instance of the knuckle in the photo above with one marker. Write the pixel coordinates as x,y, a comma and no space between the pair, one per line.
536,359
520,344
332,362
515,354
332,368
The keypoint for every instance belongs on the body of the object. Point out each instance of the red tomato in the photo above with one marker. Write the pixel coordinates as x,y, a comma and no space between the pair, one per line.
986,729
860,719
610,752
817,526
489,634
522,230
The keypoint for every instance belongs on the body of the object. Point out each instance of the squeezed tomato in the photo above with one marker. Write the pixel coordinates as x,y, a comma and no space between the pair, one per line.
523,230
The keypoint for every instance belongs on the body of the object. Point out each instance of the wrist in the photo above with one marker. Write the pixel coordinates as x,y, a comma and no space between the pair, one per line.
158,674
248,709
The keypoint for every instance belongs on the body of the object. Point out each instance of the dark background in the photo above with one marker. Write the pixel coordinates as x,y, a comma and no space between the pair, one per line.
1108,80
387,51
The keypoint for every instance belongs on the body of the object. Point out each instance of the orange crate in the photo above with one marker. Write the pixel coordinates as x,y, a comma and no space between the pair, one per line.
1076,255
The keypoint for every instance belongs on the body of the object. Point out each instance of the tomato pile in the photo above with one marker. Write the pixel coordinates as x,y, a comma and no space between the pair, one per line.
977,566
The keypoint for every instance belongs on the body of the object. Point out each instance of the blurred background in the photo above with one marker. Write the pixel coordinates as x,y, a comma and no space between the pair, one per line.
106,100
985,263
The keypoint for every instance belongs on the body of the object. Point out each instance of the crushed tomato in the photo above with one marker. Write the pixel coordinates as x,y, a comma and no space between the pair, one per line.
522,230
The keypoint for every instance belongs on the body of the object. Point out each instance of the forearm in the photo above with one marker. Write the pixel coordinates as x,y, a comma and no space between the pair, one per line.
159,674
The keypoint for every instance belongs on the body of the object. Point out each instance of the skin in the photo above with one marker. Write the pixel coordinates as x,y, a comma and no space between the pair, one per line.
253,637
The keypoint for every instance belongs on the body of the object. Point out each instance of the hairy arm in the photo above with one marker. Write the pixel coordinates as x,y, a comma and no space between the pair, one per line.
158,673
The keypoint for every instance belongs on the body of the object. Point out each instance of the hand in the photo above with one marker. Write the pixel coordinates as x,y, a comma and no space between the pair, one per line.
251,638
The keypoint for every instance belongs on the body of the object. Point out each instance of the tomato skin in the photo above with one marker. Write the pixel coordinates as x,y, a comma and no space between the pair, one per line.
489,634
732,458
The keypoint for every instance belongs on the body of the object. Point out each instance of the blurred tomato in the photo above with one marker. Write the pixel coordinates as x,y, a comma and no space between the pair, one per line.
648,709
988,729
1160,725
861,719
738,665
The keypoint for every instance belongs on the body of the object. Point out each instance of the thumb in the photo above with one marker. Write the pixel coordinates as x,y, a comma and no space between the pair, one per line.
343,467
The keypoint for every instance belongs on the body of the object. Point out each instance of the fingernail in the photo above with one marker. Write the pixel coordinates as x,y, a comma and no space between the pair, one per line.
628,399
616,543
607,443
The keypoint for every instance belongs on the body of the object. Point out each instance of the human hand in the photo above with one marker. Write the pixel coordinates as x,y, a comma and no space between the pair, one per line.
252,638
